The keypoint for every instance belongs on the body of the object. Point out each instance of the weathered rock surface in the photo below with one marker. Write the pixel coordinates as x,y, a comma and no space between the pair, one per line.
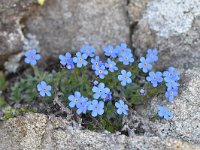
66,25
136,8
12,14
36,131
173,27
11,36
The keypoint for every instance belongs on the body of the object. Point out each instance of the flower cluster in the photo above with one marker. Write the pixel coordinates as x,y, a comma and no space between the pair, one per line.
171,77
102,94
116,57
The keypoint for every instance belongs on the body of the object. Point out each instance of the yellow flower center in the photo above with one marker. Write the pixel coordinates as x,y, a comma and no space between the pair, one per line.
80,59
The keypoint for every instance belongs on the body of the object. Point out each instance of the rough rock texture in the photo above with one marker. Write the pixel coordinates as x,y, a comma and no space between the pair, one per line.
173,27
36,131
136,8
186,110
66,25
11,36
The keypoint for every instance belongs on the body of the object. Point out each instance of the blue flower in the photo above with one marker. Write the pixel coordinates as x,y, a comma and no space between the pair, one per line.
152,55
96,62
155,78
32,57
95,82
143,91
96,107
88,50
74,99
82,106
123,50
121,107
171,74
171,94
125,77
110,51
144,65
100,91
44,89
164,112
80,59
126,58
101,71
111,65
172,85
108,97
66,60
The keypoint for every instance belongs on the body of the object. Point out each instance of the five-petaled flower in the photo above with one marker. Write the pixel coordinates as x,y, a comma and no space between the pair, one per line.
152,55
144,65
124,77
67,60
172,85
74,99
44,89
155,78
101,71
82,106
110,51
80,59
126,59
171,74
96,107
171,94
164,112
122,50
100,91
88,50
32,57
96,62
111,65
122,108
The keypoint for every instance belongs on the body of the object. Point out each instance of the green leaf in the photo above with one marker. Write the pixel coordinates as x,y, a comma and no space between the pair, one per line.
3,82
2,102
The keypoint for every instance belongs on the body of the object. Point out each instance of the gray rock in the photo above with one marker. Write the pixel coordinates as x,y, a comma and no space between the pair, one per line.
186,111
62,25
11,14
37,131
136,8
173,27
